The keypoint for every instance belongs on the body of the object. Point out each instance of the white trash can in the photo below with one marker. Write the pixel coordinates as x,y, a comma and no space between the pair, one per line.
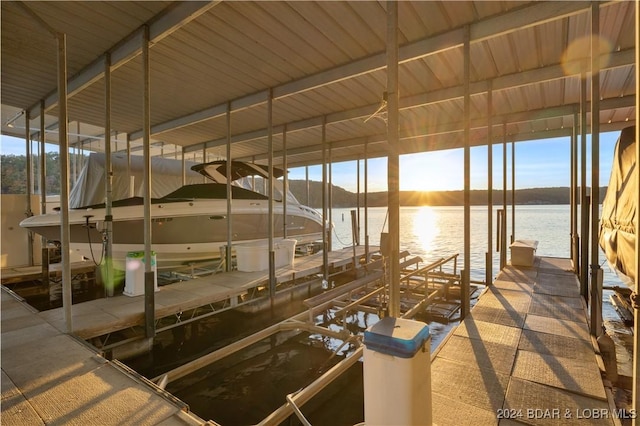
134,274
397,373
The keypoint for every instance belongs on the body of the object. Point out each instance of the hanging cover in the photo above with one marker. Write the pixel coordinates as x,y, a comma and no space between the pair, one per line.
617,224
166,176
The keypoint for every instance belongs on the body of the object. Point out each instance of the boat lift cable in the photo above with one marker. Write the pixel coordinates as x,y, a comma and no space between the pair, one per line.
93,257
338,238
352,339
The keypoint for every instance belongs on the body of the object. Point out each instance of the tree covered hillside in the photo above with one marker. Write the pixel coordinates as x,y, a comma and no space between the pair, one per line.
13,174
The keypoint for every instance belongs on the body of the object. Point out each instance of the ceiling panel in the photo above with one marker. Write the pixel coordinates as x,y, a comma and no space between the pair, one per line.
325,60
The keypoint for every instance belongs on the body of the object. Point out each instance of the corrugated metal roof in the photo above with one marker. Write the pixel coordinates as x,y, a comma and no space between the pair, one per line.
323,61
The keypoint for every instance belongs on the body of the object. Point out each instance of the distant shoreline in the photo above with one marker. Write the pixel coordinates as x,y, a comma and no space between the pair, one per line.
344,198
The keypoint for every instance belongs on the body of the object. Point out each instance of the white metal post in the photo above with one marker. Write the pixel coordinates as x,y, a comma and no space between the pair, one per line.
393,162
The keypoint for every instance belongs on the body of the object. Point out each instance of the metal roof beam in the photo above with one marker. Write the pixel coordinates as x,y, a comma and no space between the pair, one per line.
377,148
508,22
525,17
476,123
616,59
161,26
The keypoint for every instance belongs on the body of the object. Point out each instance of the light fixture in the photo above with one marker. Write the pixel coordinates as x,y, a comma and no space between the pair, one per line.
9,122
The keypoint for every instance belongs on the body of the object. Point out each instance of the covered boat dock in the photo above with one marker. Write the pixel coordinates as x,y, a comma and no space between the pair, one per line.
196,80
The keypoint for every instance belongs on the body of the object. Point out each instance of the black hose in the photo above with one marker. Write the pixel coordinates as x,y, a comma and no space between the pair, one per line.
93,258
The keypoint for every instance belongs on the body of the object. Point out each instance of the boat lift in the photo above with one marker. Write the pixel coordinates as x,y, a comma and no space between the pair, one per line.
420,286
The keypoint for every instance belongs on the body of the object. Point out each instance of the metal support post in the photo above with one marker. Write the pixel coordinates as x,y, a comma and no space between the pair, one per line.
489,255
270,222
108,277
227,253
393,182
149,274
465,307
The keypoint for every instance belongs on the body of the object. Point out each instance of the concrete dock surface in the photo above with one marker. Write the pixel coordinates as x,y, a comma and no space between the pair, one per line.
49,377
523,356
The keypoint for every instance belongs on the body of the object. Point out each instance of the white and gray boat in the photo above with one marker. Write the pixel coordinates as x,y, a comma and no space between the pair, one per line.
189,224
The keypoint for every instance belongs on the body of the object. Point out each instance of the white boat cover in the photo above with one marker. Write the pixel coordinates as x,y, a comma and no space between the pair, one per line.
166,176
617,228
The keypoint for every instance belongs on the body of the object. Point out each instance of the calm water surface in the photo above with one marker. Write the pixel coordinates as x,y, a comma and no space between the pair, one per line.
435,232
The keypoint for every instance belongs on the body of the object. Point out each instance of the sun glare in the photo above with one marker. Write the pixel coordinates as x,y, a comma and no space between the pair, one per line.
432,171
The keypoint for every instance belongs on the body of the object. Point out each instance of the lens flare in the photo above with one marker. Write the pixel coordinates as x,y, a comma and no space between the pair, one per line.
578,52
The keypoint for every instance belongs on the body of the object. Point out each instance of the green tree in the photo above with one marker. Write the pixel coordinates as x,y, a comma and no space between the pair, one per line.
13,173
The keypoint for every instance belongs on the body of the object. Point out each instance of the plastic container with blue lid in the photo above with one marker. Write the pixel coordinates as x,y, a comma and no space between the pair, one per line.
397,337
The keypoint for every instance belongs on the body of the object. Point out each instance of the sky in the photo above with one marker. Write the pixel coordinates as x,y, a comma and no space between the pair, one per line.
538,164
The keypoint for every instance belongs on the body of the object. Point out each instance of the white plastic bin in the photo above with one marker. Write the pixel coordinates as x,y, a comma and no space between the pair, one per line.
134,274
252,257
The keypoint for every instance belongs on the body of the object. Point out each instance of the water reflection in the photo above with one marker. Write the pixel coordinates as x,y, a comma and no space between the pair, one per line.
425,228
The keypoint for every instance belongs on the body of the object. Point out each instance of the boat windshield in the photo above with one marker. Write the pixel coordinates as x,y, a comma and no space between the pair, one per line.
259,185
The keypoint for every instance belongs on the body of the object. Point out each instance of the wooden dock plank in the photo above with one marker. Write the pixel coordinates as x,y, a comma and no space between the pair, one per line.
16,410
455,412
573,375
500,357
554,344
557,326
476,385
530,330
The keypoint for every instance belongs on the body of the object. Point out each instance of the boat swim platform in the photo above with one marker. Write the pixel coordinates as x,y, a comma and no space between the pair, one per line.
524,355
107,315
49,377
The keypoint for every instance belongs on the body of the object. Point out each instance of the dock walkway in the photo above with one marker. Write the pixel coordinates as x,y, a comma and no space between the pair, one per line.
102,316
524,355
19,274
49,377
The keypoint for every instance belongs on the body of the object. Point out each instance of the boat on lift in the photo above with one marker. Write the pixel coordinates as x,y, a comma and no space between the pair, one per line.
619,209
189,224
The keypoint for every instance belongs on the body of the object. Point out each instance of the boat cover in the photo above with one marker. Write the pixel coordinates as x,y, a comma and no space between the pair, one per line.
166,176
617,228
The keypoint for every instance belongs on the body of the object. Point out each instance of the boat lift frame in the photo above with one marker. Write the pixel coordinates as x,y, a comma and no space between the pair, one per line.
420,286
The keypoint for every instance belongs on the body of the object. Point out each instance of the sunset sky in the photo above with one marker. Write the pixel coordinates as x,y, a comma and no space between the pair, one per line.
539,164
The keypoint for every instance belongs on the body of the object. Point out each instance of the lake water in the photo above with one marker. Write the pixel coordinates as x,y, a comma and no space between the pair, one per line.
246,387
435,232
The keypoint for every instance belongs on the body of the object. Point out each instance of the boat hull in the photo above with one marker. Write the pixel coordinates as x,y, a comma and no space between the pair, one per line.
181,232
